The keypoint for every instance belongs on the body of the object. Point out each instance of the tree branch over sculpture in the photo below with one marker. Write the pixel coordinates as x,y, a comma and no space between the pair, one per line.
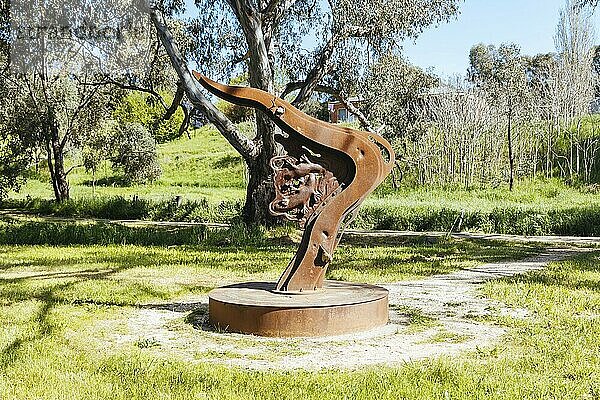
267,36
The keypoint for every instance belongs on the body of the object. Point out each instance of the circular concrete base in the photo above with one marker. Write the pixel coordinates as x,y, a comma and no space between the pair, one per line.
339,308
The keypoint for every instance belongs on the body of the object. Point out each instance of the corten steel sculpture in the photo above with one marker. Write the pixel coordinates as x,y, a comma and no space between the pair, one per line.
324,175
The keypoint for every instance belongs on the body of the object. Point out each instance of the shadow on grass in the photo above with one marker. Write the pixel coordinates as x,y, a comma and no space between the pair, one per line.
199,319
59,275
48,298
422,256
109,181
63,233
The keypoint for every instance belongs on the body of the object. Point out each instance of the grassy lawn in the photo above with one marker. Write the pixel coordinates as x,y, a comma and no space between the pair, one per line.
192,168
208,174
51,296
59,304
227,257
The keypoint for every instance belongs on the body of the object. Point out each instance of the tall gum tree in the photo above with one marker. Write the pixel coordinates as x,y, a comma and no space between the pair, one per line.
502,73
265,39
59,65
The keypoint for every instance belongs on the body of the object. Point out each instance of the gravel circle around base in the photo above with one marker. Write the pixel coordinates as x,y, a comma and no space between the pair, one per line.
449,307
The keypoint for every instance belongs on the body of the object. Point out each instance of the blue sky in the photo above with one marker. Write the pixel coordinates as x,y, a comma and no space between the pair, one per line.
529,23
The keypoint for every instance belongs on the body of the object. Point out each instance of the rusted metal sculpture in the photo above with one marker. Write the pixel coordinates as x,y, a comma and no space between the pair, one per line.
326,173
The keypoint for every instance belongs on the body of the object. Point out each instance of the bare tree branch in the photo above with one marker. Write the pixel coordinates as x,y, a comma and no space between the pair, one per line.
183,128
275,11
73,167
364,121
319,70
175,103
178,102
109,81
293,86
258,40
247,149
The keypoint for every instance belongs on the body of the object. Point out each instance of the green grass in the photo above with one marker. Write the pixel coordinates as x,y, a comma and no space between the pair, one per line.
210,177
448,337
237,252
192,168
541,194
47,294
417,320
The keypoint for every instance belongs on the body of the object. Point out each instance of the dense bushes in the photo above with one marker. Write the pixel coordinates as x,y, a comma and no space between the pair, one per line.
107,233
576,221
65,233
120,208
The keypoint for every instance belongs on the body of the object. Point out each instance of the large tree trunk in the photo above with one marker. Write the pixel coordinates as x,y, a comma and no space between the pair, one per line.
56,165
59,182
257,153
260,191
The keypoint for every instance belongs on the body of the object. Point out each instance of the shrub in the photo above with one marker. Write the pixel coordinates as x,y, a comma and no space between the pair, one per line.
118,207
146,110
52,233
576,221
136,154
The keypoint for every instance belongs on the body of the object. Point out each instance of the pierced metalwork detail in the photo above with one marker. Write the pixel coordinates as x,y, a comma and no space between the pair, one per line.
301,186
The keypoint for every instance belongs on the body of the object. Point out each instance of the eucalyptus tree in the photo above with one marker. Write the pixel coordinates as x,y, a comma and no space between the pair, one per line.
572,83
266,39
136,154
56,114
70,63
14,152
502,73
596,69
584,3
390,94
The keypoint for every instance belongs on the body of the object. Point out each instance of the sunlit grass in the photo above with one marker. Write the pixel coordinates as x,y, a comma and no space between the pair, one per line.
207,265
192,168
207,168
538,194
553,354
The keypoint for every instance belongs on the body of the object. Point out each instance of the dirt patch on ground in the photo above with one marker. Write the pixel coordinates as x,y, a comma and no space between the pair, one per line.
428,318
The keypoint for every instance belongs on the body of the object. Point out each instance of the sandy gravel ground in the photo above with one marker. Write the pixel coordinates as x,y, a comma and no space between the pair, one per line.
446,307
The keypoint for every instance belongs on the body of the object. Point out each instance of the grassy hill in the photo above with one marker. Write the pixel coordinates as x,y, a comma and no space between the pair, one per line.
210,176
192,168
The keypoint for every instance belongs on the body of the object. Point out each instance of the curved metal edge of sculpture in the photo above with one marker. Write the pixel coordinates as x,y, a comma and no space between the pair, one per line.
326,173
